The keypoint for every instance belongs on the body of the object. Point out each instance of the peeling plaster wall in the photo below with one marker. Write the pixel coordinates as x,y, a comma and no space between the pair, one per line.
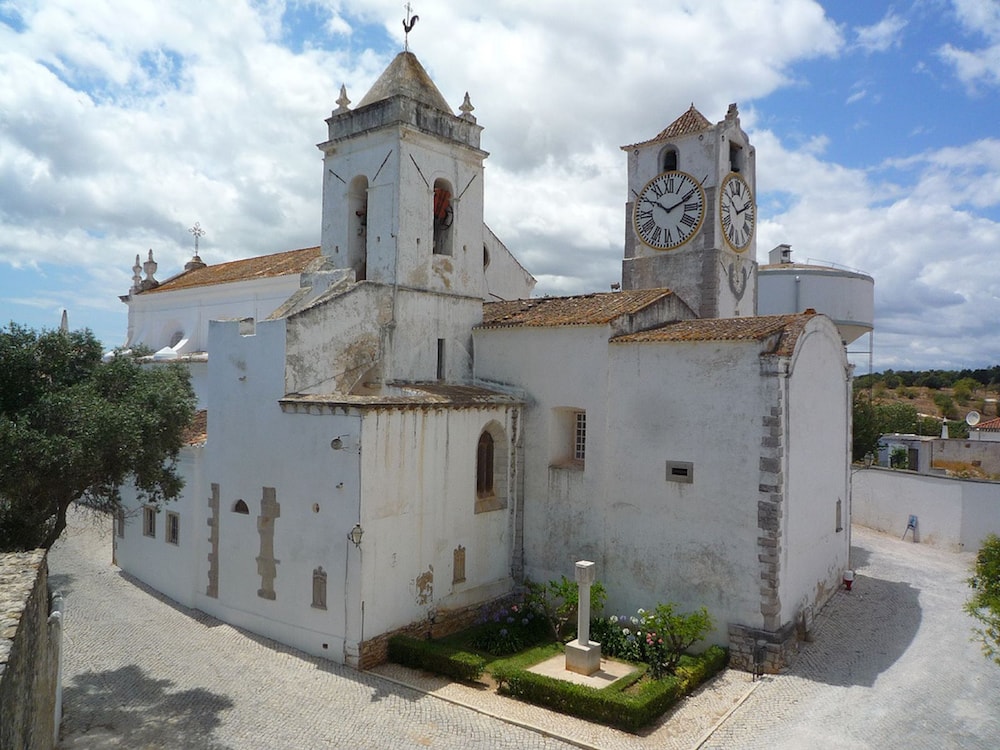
419,502
817,451
332,346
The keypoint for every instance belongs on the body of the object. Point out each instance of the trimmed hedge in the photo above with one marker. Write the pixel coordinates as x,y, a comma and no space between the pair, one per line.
611,705
436,657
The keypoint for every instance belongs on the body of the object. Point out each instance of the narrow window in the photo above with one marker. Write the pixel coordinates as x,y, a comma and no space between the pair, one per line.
735,157
840,518
173,528
120,523
149,521
319,588
484,466
580,436
441,362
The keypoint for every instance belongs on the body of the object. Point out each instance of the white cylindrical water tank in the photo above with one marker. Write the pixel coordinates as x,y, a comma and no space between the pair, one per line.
846,297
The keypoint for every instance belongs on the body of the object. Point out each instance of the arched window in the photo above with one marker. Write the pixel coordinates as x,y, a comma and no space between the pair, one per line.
669,160
241,507
444,217
357,222
491,469
484,466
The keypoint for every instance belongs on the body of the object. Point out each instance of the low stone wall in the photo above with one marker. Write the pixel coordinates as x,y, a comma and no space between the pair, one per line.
29,654
762,651
375,650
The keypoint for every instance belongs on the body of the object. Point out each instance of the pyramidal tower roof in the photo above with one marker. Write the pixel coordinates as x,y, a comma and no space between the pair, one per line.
691,121
406,76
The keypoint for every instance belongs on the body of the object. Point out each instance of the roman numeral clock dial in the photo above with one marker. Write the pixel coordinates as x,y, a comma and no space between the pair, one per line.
737,212
669,210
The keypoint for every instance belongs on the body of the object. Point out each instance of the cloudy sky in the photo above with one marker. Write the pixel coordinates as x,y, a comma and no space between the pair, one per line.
124,122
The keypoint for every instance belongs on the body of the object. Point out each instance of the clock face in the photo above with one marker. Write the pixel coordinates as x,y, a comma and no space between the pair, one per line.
669,210
737,212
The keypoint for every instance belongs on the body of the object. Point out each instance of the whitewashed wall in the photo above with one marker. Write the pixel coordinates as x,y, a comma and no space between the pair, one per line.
693,544
169,568
419,499
817,451
952,513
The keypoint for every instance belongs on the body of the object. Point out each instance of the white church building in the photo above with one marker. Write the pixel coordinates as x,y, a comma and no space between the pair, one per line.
394,432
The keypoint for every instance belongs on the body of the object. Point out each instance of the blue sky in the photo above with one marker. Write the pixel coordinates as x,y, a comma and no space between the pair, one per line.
123,122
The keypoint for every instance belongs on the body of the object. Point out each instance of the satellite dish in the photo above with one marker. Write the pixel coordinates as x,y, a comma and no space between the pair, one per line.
972,418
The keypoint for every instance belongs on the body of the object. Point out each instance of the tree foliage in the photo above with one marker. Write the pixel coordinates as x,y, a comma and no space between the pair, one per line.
73,428
985,602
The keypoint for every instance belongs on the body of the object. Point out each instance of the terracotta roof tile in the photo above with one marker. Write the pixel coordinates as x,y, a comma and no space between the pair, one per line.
248,269
587,309
197,432
757,328
990,425
692,121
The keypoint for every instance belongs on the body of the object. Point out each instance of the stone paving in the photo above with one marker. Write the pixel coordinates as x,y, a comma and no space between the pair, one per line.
891,666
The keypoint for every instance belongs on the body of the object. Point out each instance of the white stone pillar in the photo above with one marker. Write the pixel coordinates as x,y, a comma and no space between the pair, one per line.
583,656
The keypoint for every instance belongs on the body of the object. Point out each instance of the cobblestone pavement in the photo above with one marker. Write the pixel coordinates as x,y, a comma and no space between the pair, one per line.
891,666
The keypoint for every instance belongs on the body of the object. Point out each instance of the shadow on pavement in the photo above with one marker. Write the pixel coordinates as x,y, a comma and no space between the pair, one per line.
859,557
862,633
127,708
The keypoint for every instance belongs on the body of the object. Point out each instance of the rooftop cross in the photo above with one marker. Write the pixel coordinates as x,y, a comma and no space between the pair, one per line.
198,232
408,23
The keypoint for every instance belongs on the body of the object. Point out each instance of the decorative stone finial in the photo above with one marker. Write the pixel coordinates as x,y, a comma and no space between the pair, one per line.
466,109
64,323
342,102
136,275
732,113
149,268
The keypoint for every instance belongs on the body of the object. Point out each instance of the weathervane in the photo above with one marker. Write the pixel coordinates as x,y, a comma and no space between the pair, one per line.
408,23
198,232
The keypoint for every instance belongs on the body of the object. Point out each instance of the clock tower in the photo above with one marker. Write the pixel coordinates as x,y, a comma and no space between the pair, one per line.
691,215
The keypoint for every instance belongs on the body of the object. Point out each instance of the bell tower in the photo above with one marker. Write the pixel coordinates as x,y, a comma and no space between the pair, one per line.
691,215
403,186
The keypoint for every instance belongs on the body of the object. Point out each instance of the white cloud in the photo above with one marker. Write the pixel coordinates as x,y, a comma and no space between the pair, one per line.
976,67
883,35
123,123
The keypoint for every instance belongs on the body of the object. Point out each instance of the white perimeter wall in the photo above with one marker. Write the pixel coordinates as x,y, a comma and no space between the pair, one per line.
953,513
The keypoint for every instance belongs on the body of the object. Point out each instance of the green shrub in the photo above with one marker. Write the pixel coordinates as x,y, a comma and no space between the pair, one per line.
985,602
624,704
658,637
436,657
507,626
558,602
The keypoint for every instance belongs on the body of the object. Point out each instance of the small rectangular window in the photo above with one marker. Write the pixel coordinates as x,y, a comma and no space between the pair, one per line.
149,521
441,361
680,471
120,523
173,528
580,436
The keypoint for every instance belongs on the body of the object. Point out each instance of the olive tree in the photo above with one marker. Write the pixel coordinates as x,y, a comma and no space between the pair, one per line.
75,428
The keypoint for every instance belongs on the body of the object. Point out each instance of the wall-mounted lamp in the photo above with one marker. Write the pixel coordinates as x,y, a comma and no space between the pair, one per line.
355,535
